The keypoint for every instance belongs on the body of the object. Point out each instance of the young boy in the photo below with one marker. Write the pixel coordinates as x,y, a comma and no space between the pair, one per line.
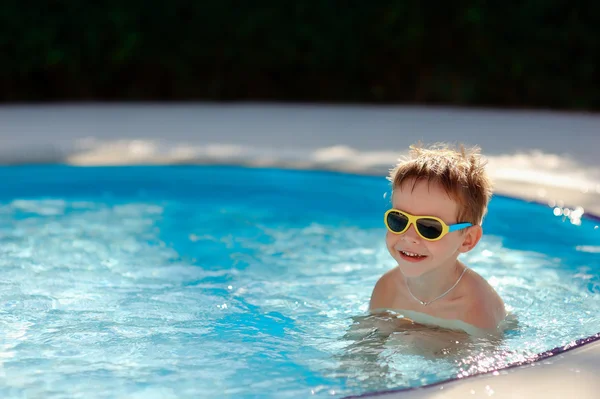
439,198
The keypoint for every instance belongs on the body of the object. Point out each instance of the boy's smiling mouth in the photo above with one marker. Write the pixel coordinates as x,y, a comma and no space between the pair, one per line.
411,256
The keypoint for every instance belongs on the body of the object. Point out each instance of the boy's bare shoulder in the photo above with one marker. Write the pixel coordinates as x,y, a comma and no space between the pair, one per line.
385,290
484,307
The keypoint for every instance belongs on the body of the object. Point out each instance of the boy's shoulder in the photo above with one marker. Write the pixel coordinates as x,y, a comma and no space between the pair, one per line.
386,290
483,307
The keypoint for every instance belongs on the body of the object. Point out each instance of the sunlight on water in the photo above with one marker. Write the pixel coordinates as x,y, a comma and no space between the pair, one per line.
154,292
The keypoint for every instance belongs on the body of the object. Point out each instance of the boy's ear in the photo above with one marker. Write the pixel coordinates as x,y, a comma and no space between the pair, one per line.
471,237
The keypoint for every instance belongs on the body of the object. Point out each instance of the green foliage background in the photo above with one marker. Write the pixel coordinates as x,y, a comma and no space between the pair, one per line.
530,53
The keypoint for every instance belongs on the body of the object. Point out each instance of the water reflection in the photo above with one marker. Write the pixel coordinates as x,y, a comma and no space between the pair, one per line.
393,352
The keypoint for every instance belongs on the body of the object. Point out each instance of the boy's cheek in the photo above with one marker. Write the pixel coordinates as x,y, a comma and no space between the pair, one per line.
390,243
390,239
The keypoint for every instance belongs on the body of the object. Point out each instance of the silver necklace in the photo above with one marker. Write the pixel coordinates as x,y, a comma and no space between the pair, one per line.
424,303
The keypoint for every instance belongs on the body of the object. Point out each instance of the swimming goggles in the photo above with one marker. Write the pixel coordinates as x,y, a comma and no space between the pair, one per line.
430,228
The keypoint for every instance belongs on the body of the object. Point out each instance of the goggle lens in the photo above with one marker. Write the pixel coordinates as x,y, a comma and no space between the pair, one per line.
397,222
429,228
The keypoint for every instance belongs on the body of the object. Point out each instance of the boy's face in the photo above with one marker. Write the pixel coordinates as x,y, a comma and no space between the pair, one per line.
428,199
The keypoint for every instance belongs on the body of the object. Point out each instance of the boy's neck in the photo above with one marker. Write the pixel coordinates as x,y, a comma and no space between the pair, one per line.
434,283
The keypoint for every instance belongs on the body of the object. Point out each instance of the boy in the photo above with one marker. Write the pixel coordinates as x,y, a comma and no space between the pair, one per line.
439,198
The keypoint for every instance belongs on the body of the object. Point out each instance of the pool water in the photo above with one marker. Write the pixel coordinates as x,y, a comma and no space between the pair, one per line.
230,282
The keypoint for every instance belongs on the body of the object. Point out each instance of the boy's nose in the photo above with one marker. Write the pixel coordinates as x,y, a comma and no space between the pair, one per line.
411,235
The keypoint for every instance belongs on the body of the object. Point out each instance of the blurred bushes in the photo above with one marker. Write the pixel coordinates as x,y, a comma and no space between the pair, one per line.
531,53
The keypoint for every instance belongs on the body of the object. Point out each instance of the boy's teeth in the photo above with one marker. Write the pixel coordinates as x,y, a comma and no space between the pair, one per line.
410,254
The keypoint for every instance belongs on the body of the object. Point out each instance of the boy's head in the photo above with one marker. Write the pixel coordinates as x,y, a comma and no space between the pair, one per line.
460,172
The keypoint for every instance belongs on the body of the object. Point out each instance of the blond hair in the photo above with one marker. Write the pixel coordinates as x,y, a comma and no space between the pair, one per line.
460,172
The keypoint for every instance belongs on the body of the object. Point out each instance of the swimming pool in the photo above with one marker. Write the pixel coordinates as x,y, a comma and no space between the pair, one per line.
234,282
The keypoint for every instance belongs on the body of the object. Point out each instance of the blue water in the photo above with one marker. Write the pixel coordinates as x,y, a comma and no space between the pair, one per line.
204,282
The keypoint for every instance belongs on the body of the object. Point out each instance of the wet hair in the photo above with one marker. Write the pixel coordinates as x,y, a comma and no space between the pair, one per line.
459,171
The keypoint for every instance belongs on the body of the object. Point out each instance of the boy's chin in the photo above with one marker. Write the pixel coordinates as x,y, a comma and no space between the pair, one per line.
413,269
